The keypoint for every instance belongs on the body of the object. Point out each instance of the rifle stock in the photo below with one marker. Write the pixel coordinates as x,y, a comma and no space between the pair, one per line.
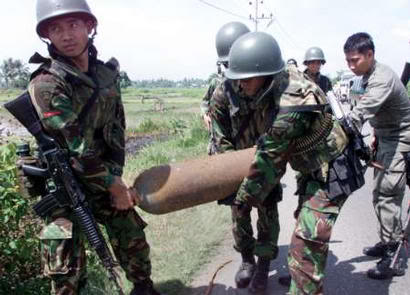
66,191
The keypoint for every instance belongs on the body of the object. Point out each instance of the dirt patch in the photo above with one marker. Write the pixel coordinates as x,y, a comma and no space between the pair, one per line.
133,144
11,127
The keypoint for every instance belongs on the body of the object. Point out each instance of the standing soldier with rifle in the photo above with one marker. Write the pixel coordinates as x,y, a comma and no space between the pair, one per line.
386,105
78,101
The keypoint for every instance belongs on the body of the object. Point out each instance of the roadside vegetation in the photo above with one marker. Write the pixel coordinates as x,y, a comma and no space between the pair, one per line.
167,123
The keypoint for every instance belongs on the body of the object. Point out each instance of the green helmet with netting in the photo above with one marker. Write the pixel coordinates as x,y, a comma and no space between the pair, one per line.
226,36
314,53
49,9
254,54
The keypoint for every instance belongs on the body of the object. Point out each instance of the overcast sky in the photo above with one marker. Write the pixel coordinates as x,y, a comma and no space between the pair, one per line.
174,39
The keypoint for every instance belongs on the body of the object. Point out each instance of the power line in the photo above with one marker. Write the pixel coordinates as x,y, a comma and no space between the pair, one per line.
284,32
258,17
287,35
224,10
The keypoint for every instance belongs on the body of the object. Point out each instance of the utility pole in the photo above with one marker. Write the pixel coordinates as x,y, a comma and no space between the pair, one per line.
257,18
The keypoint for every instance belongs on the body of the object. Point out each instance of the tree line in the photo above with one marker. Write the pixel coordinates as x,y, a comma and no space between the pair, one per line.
16,74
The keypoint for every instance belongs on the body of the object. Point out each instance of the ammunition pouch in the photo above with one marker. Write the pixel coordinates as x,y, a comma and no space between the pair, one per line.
346,174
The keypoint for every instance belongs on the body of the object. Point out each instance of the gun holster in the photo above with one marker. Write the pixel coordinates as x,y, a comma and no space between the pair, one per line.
346,174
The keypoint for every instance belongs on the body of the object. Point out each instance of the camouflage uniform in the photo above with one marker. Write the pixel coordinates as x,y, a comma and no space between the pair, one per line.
324,82
205,108
386,105
311,142
206,100
230,108
59,92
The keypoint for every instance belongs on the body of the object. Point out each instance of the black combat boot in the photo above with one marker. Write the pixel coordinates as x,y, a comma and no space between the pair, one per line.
245,272
260,278
144,288
382,270
377,250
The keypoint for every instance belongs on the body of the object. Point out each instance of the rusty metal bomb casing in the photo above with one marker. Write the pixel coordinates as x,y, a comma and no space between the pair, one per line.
173,187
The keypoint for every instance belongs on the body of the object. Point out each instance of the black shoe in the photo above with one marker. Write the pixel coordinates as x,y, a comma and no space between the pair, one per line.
378,250
285,280
382,270
260,278
244,274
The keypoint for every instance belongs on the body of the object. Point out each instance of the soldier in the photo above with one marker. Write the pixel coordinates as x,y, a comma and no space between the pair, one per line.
385,104
237,123
314,59
225,37
78,100
293,127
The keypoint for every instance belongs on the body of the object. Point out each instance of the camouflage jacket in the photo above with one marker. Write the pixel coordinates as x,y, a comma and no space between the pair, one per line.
59,93
300,133
238,120
324,82
206,100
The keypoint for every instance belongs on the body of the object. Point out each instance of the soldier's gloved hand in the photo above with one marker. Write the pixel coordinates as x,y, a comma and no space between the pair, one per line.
123,198
30,186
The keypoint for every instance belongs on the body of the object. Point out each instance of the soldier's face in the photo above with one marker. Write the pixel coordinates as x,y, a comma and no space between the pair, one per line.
314,66
69,34
251,86
359,63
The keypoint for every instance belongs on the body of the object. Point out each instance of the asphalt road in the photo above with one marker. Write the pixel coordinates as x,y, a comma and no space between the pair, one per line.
346,267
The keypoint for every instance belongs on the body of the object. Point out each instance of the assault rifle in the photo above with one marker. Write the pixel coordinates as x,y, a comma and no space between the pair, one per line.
360,147
402,251
62,186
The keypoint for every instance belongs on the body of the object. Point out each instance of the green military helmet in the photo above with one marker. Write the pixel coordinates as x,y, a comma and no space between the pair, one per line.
226,36
314,53
254,54
48,9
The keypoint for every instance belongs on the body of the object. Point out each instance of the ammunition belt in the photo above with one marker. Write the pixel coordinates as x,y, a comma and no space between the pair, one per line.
305,144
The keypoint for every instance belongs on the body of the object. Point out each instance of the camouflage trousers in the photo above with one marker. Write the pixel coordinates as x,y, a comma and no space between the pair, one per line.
266,243
310,240
63,246
388,193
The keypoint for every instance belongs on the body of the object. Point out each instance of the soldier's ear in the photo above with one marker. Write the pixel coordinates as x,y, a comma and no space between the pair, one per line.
90,26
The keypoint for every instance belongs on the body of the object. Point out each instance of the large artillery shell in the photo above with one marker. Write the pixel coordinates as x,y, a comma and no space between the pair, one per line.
173,187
